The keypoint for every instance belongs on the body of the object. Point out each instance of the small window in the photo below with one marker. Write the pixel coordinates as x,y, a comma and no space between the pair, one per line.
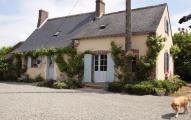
35,62
134,63
57,33
167,26
102,27
166,62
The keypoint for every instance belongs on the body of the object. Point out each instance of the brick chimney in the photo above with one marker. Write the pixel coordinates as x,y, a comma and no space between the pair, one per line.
100,8
43,15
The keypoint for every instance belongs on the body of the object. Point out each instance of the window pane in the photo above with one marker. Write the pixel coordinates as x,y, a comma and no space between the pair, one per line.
105,68
101,68
96,68
96,57
102,62
105,57
96,62
105,63
102,57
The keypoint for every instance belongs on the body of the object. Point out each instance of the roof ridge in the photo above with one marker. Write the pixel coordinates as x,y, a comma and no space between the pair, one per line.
70,16
147,7
152,6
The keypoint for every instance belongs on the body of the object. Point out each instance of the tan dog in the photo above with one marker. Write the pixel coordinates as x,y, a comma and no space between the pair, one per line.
181,102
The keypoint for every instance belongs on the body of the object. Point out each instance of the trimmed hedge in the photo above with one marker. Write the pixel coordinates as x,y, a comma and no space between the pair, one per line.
158,87
139,89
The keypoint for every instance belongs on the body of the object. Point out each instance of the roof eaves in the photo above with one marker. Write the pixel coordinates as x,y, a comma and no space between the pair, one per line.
114,35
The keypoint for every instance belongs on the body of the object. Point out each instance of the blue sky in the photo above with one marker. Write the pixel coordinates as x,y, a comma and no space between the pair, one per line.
18,18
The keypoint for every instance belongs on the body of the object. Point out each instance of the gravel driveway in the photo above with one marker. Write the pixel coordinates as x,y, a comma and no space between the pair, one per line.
27,102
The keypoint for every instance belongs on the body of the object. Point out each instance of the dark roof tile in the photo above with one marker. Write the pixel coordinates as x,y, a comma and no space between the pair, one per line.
144,20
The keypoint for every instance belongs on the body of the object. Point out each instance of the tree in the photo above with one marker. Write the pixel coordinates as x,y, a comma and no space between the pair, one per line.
182,54
185,19
4,51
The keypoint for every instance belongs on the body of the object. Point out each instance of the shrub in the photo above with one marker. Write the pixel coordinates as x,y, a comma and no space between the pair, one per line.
116,86
178,81
26,79
59,85
160,91
8,71
73,84
46,83
139,89
170,86
38,79
159,87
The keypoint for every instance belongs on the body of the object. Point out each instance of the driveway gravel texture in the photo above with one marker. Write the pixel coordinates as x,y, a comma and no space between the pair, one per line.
27,102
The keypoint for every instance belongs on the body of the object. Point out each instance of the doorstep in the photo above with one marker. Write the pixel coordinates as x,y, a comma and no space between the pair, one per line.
102,85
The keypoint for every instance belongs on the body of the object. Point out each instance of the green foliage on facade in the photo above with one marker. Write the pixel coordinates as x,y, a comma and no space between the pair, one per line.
73,66
122,61
145,64
46,52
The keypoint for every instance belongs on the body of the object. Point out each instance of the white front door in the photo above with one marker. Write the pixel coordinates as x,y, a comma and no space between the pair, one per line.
100,68
50,68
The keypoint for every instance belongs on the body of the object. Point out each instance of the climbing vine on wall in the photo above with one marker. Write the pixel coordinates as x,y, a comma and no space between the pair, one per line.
122,60
73,66
145,65
46,52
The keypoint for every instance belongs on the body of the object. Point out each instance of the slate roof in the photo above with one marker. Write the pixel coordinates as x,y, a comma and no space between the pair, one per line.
144,20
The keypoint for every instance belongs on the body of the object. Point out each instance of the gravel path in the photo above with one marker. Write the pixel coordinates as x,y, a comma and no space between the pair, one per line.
27,102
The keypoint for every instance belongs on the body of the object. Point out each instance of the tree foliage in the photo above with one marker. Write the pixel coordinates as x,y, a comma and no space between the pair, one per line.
4,51
182,54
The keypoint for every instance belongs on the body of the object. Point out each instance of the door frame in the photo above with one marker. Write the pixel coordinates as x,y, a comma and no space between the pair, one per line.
100,69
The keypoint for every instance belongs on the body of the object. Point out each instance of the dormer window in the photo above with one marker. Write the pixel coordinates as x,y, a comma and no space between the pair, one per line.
57,33
102,27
